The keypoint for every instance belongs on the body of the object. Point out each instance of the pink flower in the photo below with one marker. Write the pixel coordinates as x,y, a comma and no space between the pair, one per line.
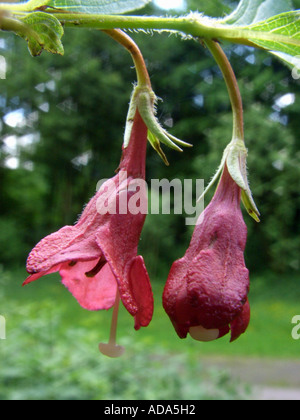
206,291
97,257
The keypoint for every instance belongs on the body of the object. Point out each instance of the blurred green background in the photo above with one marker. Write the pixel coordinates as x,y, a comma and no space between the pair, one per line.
62,122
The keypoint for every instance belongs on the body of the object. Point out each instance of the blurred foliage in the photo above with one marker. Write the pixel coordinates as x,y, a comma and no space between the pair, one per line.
70,137
51,350
52,372
49,355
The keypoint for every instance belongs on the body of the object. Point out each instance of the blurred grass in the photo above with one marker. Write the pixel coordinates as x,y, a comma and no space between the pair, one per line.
274,300
51,350
51,353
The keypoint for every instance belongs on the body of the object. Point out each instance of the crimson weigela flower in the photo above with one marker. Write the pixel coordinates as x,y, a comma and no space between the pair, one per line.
97,257
206,291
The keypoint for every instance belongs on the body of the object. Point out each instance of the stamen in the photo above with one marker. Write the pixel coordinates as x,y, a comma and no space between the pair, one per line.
94,271
111,349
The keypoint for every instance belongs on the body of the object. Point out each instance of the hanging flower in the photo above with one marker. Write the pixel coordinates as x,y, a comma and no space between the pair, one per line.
97,257
206,291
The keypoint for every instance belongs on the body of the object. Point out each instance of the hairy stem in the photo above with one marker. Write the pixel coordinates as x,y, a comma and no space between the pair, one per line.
139,62
194,25
232,86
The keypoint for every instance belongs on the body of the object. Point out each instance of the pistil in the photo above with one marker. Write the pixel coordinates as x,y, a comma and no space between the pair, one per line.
111,349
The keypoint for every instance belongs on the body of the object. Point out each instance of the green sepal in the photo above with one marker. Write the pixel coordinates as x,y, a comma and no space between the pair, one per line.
235,157
143,100
250,205
130,118
237,166
215,177
146,110
156,146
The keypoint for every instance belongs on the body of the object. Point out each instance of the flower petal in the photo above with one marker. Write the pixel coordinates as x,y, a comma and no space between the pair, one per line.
92,293
175,298
67,244
141,291
36,276
218,287
240,324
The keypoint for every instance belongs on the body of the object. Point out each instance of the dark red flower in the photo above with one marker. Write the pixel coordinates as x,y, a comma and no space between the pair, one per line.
206,291
97,257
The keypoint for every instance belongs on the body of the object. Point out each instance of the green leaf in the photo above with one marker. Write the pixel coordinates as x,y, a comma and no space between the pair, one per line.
43,32
283,35
28,6
271,25
101,7
252,11
280,35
